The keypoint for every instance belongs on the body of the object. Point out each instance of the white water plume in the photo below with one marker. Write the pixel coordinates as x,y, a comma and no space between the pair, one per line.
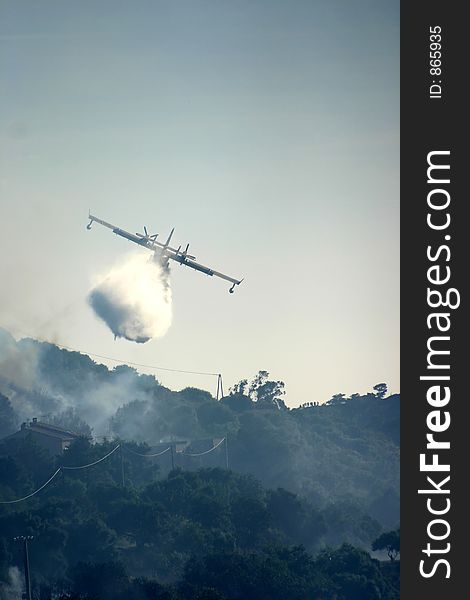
134,299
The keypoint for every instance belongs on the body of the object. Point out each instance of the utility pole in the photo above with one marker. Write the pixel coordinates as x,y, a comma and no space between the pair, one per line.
27,578
220,387
122,467
172,458
226,451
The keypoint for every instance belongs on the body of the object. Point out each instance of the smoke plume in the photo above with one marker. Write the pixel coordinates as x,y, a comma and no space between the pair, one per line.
14,589
68,389
134,299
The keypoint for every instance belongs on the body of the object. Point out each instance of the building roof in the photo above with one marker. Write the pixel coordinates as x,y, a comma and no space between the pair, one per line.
46,429
52,430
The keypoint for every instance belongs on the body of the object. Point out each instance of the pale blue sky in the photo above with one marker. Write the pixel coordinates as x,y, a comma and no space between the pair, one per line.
266,132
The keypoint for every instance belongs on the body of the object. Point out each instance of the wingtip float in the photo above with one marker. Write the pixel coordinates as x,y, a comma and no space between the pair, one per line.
163,252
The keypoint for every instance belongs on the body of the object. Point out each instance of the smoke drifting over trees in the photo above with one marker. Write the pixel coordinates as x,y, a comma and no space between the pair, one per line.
317,475
134,299
347,450
212,534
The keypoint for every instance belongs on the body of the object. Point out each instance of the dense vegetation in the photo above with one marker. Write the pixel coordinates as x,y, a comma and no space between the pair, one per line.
346,450
210,533
308,492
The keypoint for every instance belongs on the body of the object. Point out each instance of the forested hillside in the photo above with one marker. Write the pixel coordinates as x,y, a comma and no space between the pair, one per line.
210,533
307,491
345,451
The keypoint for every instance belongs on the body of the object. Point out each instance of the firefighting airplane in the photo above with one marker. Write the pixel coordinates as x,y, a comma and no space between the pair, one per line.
164,252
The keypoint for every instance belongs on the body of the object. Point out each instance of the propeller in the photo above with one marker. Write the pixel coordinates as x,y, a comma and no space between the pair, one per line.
146,235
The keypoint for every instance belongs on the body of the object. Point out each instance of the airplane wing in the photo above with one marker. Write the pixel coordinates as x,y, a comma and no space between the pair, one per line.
145,240
180,258
149,242
139,239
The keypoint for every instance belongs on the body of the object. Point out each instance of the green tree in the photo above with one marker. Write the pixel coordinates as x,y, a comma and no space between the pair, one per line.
240,388
106,581
8,417
238,402
267,393
297,520
354,574
214,417
90,540
337,399
274,574
390,542
380,390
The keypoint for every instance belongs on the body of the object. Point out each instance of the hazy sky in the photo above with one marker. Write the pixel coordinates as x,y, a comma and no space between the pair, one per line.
265,131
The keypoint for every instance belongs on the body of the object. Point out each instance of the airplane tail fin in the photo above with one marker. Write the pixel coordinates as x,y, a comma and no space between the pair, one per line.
167,243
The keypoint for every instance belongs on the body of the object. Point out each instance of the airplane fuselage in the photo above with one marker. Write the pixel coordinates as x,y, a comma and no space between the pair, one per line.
163,252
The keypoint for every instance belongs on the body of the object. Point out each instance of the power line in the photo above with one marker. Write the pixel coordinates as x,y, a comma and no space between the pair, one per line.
134,364
33,493
93,463
122,361
146,455
63,468
202,453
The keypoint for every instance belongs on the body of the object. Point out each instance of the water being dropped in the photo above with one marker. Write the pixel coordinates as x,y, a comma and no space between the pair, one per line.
134,299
